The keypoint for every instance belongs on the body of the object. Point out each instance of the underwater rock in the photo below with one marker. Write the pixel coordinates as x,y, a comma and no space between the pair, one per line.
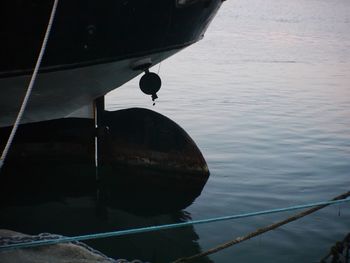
146,162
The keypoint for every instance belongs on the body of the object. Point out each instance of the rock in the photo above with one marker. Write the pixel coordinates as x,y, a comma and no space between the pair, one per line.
67,252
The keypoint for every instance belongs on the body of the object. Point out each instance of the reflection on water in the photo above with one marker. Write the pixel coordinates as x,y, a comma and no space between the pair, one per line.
266,97
65,198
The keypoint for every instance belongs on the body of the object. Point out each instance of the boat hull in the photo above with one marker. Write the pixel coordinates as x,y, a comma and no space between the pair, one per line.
91,49
63,93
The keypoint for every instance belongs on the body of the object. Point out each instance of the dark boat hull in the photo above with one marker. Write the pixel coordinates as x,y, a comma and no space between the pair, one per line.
91,32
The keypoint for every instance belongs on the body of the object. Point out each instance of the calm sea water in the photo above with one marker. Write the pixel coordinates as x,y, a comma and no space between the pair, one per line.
266,96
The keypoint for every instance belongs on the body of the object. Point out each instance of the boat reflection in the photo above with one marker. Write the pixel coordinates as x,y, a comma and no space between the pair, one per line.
65,198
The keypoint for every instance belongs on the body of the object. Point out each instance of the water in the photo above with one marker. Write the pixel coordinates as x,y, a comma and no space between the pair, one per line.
266,97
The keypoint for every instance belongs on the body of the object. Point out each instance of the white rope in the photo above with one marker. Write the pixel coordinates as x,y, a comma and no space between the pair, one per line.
30,86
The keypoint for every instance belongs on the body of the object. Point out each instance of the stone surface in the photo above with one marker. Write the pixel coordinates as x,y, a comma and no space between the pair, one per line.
61,253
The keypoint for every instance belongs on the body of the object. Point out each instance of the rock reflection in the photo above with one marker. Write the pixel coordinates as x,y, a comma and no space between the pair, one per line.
65,198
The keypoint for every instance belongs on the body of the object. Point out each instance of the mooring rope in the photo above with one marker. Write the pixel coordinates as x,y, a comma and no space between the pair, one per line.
262,230
119,233
30,86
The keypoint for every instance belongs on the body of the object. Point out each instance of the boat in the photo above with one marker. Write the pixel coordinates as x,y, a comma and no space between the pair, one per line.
94,47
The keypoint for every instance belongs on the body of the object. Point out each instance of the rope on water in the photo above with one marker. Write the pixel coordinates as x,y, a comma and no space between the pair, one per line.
263,230
319,205
30,86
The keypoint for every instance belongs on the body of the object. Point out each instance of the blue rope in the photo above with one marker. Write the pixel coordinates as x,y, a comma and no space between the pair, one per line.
162,227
